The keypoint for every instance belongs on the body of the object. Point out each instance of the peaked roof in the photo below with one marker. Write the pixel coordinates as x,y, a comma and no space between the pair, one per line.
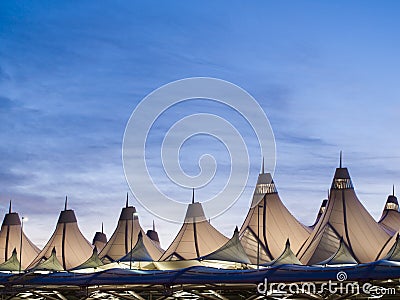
196,238
340,257
125,237
71,246
287,257
153,235
232,250
100,239
320,212
138,252
12,264
92,262
49,264
390,219
269,224
10,240
345,217
394,252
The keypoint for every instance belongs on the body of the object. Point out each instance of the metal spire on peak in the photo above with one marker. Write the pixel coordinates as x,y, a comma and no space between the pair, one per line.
102,227
393,190
263,169
66,203
341,157
9,208
127,199
154,226
193,196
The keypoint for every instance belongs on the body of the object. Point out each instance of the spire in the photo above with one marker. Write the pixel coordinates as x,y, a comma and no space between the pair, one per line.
263,169
341,157
393,190
193,196
154,226
9,209
102,227
66,203
127,199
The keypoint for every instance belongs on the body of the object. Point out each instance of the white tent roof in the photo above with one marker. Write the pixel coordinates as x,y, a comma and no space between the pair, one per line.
390,219
125,237
269,224
10,239
345,217
71,247
341,257
287,257
196,238
232,250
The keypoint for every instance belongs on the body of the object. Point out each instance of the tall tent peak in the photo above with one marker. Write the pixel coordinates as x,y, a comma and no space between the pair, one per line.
391,202
195,213
342,179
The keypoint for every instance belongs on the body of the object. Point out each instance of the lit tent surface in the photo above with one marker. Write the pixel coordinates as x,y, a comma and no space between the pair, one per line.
232,251
287,257
390,219
270,222
320,212
125,237
345,217
394,252
341,257
10,240
67,244
100,239
196,238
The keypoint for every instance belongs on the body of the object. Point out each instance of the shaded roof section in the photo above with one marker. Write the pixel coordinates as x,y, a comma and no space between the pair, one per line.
125,236
100,239
71,246
138,252
345,217
10,240
320,212
269,224
49,264
196,238
92,262
153,235
287,257
394,252
340,257
232,250
12,264
390,219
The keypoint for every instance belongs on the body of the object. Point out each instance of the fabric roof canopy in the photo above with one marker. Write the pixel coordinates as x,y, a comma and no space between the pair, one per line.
71,246
232,250
12,264
390,219
341,257
196,238
138,252
345,217
125,237
269,224
287,257
49,264
92,262
10,240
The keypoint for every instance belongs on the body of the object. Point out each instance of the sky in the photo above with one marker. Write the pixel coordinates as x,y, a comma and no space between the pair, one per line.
72,72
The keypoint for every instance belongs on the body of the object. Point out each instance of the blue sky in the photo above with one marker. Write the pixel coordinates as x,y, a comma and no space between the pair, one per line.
71,73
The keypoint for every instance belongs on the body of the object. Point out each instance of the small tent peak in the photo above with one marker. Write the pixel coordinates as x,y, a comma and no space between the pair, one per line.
287,243
236,230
